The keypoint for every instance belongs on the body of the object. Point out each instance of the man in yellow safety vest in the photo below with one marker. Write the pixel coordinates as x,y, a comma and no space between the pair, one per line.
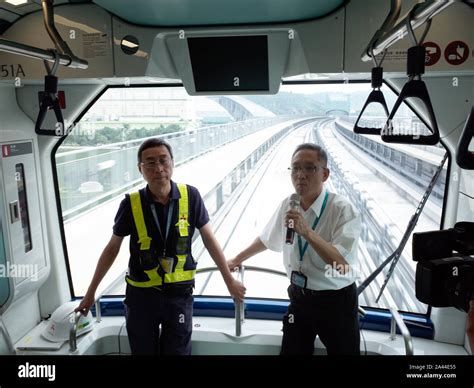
160,220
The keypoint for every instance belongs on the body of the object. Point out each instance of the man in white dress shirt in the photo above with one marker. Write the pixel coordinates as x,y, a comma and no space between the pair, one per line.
320,263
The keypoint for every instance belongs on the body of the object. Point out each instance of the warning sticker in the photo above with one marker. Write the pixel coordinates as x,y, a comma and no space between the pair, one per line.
395,55
456,53
433,53
95,45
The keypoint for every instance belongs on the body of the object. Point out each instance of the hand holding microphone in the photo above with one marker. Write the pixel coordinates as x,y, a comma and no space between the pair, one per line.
293,205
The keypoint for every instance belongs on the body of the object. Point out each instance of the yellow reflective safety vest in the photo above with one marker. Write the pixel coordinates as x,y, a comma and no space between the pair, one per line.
145,243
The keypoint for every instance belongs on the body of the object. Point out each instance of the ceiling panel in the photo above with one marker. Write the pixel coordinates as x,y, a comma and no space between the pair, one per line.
213,12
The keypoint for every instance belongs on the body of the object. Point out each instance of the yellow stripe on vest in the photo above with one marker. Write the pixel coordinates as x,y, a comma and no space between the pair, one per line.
179,275
143,239
183,223
148,283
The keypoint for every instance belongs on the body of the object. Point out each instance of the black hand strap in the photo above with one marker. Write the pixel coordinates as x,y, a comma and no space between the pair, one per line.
375,96
49,100
413,88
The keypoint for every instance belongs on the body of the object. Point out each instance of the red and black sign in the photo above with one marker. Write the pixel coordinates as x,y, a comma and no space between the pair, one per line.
6,150
433,53
16,149
456,53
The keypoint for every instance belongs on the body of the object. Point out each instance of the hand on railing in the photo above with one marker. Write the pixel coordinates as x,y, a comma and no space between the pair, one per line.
234,264
90,299
236,290
240,306
86,304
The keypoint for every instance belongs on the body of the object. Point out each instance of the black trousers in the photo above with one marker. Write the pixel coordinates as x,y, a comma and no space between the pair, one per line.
331,314
148,308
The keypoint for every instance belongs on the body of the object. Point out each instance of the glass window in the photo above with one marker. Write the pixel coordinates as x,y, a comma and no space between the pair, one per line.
236,150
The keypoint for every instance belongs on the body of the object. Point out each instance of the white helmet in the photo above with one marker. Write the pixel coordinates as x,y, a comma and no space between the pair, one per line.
59,324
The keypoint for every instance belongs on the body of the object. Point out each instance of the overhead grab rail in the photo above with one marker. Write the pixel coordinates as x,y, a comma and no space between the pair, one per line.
414,88
59,43
65,55
37,53
383,40
388,23
464,157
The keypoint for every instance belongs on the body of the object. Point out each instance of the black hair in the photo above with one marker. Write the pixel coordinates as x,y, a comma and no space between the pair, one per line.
323,156
154,142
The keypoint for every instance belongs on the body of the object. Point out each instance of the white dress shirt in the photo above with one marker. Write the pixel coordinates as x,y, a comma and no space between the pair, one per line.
339,225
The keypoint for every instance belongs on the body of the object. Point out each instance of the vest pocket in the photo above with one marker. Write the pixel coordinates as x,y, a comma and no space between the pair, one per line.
147,259
182,245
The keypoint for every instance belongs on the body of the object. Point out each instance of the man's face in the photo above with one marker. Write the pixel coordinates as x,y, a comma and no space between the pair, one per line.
156,165
308,173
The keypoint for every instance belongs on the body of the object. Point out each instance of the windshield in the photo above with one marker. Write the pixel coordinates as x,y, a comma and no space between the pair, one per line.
236,151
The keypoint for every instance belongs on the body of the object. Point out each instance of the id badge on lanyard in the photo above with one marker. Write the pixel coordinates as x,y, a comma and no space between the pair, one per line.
299,279
166,262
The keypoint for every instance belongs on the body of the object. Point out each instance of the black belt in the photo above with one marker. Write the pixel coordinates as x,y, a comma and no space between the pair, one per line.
308,291
175,291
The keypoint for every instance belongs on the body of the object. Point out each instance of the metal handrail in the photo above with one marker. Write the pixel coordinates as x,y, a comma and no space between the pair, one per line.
73,332
397,320
424,12
240,307
37,53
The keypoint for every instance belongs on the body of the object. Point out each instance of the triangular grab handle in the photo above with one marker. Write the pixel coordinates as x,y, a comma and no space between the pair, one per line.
50,103
417,89
49,100
375,96
464,157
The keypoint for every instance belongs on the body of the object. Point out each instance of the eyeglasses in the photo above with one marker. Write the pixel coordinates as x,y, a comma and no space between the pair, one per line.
307,170
152,164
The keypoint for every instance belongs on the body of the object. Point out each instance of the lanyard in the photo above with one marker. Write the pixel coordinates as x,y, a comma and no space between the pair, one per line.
300,243
168,223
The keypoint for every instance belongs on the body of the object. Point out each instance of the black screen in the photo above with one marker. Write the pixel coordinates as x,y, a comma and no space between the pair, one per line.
232,63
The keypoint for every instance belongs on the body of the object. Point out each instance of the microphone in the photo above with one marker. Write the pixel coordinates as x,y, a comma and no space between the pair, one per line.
290,232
